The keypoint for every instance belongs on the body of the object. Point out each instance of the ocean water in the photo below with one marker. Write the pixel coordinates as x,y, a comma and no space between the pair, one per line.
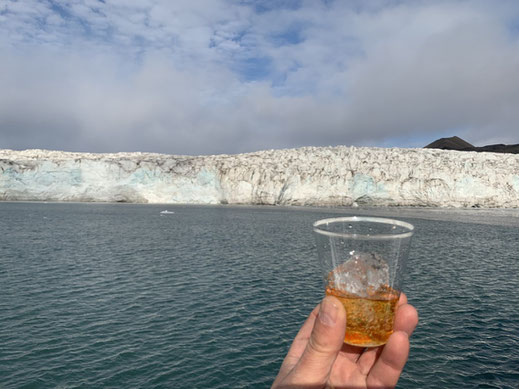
118,295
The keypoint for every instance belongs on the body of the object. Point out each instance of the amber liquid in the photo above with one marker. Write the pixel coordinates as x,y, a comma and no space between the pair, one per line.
369,319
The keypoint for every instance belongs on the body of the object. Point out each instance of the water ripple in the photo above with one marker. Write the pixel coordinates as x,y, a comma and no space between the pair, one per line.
98,295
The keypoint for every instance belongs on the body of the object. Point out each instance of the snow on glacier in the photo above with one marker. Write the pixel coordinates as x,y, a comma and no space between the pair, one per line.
306,176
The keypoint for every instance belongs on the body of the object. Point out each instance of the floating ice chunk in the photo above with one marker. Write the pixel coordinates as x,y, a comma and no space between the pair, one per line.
362,275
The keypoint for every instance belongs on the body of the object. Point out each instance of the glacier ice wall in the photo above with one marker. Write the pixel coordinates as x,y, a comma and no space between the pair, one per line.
306,176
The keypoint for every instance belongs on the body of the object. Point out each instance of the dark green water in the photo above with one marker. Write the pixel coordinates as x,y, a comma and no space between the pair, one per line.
99,295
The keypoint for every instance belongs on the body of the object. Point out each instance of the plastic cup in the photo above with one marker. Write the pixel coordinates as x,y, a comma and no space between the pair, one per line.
363,260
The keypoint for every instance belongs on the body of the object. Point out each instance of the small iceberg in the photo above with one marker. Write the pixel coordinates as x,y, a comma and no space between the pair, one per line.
166,212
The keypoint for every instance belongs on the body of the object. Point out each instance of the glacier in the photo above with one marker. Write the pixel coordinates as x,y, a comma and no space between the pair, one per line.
316,176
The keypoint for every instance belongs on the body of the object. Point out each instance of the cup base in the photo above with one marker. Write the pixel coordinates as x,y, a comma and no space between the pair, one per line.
361,340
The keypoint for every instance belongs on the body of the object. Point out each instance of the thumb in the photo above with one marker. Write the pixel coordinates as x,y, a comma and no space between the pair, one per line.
325,342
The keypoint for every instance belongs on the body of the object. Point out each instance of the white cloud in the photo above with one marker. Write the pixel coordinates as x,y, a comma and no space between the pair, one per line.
456,70
218,76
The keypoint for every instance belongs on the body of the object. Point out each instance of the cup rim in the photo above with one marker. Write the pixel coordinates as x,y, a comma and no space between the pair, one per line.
356,219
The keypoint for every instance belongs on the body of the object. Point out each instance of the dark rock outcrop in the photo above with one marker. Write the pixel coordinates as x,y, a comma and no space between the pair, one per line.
456,143
452,143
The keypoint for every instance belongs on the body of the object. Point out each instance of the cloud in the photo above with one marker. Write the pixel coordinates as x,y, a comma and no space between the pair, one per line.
204,77
449,67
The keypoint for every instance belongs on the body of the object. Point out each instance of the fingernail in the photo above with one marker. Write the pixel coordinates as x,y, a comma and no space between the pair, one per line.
328,312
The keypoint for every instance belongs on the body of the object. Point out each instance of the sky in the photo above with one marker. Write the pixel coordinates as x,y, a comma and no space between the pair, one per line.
199,77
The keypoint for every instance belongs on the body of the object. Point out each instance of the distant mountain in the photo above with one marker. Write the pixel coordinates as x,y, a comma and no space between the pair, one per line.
456,143
500,148
452,143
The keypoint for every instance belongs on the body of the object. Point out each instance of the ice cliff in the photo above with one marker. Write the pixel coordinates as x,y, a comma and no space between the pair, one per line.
305,176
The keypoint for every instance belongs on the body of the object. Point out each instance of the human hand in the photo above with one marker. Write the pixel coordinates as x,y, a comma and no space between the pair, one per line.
318,357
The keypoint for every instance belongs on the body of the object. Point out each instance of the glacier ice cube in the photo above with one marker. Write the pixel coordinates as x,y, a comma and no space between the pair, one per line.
362,274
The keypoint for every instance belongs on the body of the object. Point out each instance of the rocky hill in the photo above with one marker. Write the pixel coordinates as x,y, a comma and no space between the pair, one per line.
456,143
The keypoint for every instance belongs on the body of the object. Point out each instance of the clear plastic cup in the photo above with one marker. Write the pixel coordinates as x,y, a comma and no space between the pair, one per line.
363,260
